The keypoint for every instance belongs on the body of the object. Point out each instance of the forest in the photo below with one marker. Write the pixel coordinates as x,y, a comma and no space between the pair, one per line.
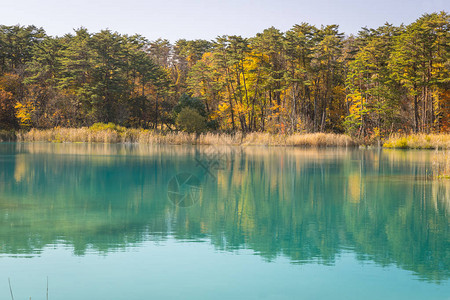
308,79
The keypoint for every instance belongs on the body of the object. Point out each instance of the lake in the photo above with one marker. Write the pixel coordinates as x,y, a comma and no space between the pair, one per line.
215,222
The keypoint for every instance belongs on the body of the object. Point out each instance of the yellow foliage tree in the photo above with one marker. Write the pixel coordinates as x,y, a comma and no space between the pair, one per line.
24,112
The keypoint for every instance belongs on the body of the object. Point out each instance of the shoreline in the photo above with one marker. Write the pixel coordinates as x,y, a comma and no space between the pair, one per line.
140,136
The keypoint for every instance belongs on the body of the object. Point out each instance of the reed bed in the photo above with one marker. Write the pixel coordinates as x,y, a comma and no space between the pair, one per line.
418,141
117,134
76,135
109,134
321,140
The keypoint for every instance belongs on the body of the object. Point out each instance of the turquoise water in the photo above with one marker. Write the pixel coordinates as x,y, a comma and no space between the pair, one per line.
117,222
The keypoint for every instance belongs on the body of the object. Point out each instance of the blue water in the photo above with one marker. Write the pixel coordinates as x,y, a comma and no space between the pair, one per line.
184,222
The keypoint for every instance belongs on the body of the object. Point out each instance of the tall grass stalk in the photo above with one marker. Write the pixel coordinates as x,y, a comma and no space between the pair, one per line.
126,135
10,288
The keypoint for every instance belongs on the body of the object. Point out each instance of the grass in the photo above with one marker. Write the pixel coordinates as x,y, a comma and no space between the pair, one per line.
110,133
418,141
301,140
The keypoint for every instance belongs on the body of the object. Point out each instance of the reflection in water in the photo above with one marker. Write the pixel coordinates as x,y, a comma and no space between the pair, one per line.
305,204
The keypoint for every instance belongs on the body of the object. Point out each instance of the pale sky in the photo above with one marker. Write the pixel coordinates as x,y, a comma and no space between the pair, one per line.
207,19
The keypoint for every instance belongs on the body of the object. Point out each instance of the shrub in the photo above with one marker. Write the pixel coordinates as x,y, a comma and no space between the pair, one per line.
191,121
419,141
109,126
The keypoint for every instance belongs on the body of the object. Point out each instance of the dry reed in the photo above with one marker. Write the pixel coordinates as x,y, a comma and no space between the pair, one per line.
125,135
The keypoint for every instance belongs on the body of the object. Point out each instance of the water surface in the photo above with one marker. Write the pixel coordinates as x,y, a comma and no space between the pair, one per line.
103,222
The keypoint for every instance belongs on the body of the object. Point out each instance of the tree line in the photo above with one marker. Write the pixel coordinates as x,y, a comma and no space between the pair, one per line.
307,79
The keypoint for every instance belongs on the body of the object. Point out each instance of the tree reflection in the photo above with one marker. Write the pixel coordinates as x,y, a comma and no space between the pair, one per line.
306,204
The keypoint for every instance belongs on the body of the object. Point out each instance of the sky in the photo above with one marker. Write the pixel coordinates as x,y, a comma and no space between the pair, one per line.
207,19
